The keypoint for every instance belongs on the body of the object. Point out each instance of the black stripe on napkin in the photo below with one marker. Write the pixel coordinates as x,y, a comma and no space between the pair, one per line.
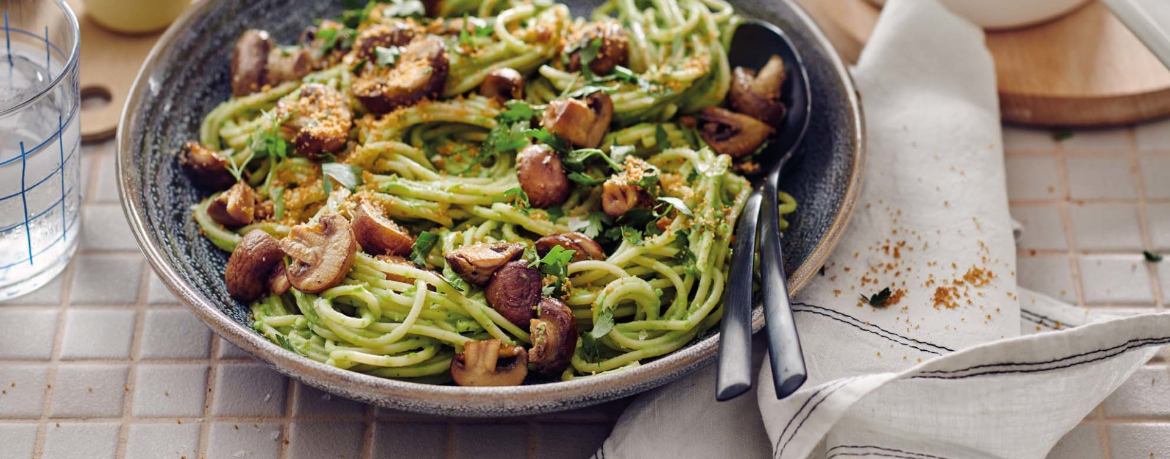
870,328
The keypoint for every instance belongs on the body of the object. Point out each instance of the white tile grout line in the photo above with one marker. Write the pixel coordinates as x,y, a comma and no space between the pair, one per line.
1066,220
135,351
1143,218
286,420
212,369
370,432
66,293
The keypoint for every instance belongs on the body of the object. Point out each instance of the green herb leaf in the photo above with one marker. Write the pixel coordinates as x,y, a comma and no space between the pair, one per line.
660,138
649,181
353,16
685,256
285,343
584,179
385,57
878,299
556,263
520,196
347,175
590,352
603,325
516,111
593,225
589,53
552,140
1061,135
454,280
422,247
677,204
585,91
575,160
628,233
1152,257
619,153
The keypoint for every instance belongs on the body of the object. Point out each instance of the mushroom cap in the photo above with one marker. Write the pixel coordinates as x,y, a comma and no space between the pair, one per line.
250,265
514,291
503,84
378,235
278,282
581,122
618,196
478,364
250,62
583,247
287,64
614,49
321,253
554,337
419,73
319,119
758,95
384,36
205,168
476,263
542,176
234,207
733,134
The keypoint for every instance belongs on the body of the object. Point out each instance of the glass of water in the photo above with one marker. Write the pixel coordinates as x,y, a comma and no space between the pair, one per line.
40,143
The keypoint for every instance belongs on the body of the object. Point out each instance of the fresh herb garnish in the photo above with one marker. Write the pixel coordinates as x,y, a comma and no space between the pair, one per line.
575,160
1152,257
347,175
552,140
422,246
590,352
584,179
520,196
592,225
386,56
678,204
285,343
660,138
454,280
624,232
479,28
516,111
585,91
878,299
510,133
604,323
405,9
355,14
685,256
555,263
649,181
588,54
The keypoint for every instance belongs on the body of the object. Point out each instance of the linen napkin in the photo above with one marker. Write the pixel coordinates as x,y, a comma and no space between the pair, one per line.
939,370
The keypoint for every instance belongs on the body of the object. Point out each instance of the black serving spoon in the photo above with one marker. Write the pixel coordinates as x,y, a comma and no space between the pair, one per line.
753,44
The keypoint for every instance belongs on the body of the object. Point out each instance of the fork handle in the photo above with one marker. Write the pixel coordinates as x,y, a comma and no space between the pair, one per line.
734,375
788,369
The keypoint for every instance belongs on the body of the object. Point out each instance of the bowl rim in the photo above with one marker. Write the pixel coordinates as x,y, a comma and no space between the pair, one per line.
456,400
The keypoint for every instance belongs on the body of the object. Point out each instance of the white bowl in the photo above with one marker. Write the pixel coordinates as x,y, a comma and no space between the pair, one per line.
1007,14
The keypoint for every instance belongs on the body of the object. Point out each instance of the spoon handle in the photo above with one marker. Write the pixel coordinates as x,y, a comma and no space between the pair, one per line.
788,370
734,376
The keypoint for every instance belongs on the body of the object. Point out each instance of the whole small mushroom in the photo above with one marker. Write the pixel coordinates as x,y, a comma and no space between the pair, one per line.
250,62
378,235
234,207
514,291
319,119
476,263
418,73
542,176
554,338
322,253
251,264
733,134
758,94
618,196
278,282
581,122
503,84
480,364
583,247
613,48
206,169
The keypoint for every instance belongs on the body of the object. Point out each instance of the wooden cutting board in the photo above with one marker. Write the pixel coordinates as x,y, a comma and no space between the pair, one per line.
1083,69
109,64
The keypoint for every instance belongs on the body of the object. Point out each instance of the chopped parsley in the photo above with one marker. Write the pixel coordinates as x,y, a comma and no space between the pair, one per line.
454,280
555,263
1152,257
603,325
575,160
347,175
590,352
386,56
878,299
479,28
405,9
593,225
422,246
678,204
552,140
285,343
520,196
660,138
584,179
355,14
685,256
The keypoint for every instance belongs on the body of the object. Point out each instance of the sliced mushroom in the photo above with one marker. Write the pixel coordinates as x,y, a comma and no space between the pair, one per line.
476,263
619,196
234,207
554,337
503,84
319,120
377,234
583,247
264,210
758,95
397,260
514,291
581,122
542,176
250,61
321,253
287,63
418,73
278,282
382,36
251,264
489,363
205,168
613,49
732,133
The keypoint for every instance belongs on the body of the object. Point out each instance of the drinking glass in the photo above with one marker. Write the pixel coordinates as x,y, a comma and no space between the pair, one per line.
40,143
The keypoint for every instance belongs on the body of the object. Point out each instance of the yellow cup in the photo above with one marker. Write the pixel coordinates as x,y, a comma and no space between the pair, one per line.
135,16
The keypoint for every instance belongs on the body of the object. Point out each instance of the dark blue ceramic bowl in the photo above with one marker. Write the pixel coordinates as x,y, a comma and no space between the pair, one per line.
186,76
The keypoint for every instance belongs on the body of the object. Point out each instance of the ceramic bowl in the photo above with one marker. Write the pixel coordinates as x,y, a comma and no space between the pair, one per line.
186,75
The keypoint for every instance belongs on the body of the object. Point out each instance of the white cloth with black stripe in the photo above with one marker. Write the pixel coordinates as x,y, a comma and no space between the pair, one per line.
965,364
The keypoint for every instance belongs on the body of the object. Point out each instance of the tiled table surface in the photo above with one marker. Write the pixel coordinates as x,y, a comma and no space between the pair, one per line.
103,362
